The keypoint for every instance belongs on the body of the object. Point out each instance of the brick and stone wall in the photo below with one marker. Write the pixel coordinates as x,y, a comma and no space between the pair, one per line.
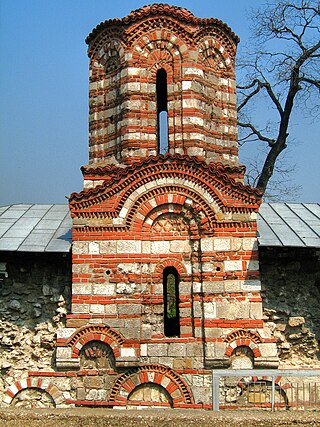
35,296
165,265
198,56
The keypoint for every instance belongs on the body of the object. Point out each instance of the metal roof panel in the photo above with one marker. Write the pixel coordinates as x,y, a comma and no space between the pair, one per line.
42,228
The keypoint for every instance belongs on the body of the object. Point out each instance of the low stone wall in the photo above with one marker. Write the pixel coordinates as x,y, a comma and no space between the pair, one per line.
290,280
35,296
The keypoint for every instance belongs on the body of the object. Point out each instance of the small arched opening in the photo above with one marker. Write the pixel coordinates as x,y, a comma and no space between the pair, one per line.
150,394
242,357
97,355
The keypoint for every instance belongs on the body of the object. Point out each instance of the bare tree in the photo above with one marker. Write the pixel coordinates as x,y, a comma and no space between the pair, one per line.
283,66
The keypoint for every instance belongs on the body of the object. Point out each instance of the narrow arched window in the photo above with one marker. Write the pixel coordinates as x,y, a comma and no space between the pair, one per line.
171,302
162,111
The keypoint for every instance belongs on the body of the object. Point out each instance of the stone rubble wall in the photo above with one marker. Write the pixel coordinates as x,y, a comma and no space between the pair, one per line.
35,297
291,293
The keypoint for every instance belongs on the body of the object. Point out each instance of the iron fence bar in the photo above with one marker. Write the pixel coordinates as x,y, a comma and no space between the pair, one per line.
273,393
215,392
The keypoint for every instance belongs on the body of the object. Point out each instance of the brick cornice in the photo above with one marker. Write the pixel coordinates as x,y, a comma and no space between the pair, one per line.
166,10
218,176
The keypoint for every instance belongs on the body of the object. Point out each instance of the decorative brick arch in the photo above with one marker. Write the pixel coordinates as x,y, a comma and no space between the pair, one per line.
171,32
194,217
245,338
174,168
111,49
101,333
220,38
169,262
34,383
160,59
149,43
176,387
211,50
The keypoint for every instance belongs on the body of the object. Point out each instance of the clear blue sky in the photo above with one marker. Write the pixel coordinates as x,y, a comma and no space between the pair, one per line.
44,94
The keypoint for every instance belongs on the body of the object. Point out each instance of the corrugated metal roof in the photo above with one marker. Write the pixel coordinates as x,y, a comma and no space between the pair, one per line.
47,228
35,228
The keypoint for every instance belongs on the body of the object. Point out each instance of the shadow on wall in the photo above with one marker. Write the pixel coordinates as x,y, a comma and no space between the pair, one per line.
291,302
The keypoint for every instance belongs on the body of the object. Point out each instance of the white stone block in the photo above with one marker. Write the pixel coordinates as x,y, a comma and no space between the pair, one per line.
195,151
207,245
144,350
146,247
14,389
80,308
210,310
268,350
249,244
133,71
103,289
210,349
65,333
180,246
221,244
111,309
232,265
160,247
128,246
81,289
193,70
127,352
7,399
96,309
232,285
251,285
186,84
64,352
196,287
123,212
80,248
108,247
94,248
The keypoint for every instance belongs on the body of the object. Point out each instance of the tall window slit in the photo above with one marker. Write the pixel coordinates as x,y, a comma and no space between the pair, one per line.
162,111
171,302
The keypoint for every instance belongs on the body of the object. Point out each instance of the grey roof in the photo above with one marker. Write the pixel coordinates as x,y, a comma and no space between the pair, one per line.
289,224
47,228
35,228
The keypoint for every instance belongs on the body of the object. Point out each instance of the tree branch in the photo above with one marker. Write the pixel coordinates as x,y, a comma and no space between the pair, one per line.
256,132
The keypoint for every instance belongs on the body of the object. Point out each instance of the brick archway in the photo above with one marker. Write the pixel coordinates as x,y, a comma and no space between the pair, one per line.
244,338
174,385
169,262
34,383
95,333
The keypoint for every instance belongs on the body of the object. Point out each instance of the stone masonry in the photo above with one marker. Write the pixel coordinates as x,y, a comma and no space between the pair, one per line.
165,271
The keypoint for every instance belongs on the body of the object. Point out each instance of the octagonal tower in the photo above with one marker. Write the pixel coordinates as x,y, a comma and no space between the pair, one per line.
162,80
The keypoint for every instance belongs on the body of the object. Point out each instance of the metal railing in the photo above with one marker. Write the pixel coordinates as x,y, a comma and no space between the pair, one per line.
266,388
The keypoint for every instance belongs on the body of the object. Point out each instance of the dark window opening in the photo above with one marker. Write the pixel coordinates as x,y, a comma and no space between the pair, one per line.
162,112
171,302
